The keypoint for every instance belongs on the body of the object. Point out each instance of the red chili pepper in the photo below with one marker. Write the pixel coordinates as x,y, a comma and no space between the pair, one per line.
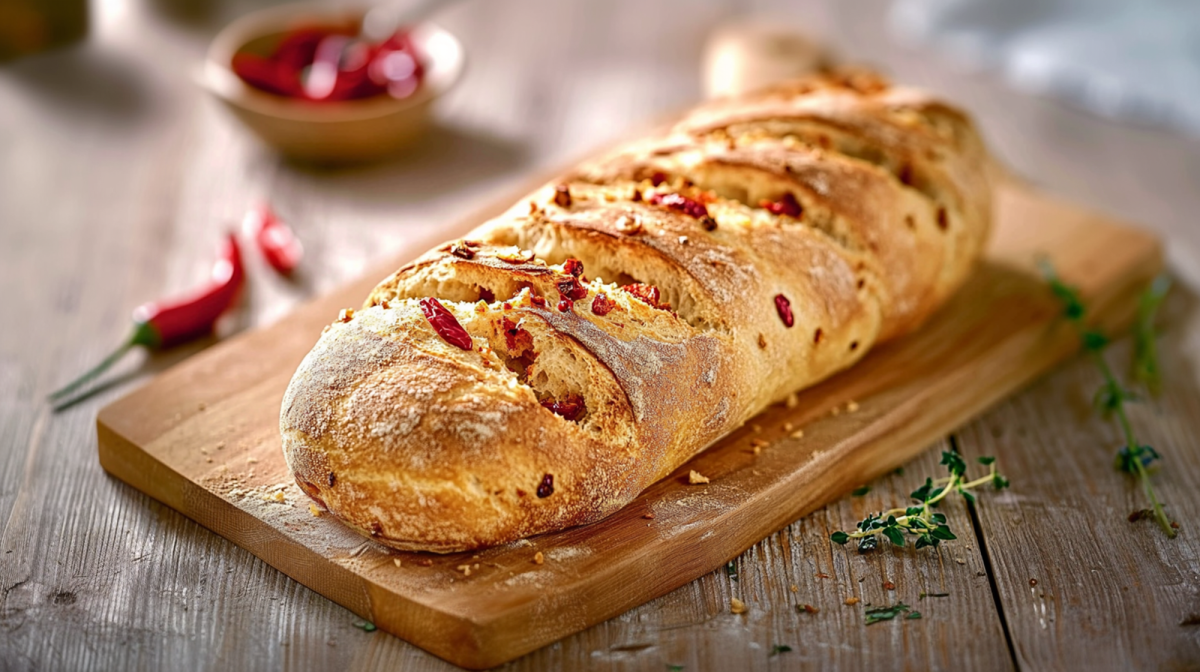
274,239
445,324
165,323
784,308
330,64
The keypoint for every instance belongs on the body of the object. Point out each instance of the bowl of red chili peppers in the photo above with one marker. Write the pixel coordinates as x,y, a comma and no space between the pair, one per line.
307,82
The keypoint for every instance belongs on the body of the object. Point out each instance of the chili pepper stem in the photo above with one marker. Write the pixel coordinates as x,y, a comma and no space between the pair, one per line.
143,334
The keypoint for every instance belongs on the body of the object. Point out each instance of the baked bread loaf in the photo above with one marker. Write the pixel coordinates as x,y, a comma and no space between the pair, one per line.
545,369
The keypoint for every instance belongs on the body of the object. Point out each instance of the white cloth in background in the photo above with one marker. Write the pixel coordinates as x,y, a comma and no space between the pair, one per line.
1136,60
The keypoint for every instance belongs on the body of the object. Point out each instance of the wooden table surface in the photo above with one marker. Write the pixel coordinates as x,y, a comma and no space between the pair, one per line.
117,178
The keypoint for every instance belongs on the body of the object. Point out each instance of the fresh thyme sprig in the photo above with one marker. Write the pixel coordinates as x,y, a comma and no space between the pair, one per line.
928,527
1134,457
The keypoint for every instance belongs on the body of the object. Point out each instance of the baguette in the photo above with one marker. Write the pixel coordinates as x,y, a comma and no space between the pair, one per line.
544,370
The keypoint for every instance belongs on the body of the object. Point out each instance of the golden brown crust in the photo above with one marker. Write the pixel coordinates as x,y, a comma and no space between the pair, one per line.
757,247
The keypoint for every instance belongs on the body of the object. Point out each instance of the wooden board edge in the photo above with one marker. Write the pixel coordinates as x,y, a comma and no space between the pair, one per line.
131,465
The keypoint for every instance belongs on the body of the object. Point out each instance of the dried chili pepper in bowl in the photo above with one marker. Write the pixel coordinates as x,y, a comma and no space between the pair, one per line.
304,80
274,239
161,324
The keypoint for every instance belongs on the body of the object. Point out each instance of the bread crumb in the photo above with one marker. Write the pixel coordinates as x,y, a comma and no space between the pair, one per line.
851,601
538,558
759,443
251,460
465,569
888,585
220,445
737,606
425,562
398,561
762,341
696,478
649,516
851,406
793,400
757,450
757,429
798,434
835,411
315,510
787,426
276,496
794,588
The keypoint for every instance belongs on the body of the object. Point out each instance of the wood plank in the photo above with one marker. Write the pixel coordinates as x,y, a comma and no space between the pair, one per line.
202,438
1080,586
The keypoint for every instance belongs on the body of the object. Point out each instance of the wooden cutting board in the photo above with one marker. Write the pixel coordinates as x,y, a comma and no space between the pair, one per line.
203,439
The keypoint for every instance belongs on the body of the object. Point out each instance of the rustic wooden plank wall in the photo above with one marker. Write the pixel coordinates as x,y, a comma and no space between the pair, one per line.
117,177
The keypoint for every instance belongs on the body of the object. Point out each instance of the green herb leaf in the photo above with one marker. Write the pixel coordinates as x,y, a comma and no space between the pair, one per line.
913,615
922,494
877,614
925,595
985,461
954,463
942,532
894,535
839,537
778,649
868,544
674,668
860,491
731,570
365,626
999,482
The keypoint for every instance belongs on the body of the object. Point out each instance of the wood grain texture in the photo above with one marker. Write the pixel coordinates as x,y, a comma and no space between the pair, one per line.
1082,587
117,178
203,438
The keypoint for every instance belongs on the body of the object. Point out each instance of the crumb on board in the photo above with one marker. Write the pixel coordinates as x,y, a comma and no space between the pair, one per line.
539,558
737,606
465,569
798,434
835,411
888,585
696,478
398,561
794,588
851,406
315,510
759,443
793,400
757,429
649,516
425,562
787,426
851,601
